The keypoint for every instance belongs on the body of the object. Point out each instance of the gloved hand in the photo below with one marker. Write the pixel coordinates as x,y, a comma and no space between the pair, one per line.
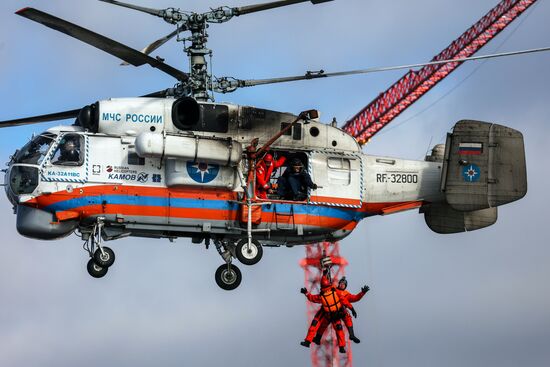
353,312
365,288
303,290
314,187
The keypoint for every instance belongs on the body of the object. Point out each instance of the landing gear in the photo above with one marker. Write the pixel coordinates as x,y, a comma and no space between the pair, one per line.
228,277
249,253
95,270
101,258
104,257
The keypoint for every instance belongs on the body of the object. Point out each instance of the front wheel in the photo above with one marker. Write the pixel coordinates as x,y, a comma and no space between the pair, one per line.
95,270
249,255
105,259
228,277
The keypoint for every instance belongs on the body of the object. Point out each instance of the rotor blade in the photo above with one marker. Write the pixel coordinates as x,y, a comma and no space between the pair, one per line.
108,45
322,74
275,4
160,94
161,41
157,12
42,118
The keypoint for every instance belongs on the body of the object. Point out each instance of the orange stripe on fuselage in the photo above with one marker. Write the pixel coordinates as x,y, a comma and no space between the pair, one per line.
199,213
209,214
180,193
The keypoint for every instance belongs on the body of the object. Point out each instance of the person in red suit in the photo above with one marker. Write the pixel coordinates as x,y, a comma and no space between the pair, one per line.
264,170
333,308
348,321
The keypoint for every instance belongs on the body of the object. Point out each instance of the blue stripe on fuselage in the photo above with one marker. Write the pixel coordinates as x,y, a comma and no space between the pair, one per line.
188,203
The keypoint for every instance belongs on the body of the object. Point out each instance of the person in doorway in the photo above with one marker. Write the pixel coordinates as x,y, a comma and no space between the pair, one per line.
264,170
293,184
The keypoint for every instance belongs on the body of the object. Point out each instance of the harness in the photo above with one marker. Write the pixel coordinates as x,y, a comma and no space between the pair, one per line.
331,302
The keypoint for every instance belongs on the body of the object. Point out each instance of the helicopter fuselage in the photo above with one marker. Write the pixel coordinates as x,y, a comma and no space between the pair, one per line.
144,175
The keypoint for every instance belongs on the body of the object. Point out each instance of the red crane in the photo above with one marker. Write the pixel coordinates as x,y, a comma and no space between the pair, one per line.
380,112
413,85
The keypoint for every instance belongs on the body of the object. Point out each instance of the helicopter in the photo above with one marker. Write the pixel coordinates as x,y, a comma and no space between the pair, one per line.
175,163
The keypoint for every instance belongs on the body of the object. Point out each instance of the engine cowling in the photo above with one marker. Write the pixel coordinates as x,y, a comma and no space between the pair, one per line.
225,152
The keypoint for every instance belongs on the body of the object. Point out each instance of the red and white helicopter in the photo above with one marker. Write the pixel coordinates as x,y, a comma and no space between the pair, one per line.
175,163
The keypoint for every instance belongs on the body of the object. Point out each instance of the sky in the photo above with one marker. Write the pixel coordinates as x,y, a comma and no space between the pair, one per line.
472,299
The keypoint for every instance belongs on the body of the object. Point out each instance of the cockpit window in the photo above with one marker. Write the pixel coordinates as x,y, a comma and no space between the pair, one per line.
35,150
68,151
23,179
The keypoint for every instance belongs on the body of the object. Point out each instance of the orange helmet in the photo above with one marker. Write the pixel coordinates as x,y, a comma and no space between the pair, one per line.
325,283
268,158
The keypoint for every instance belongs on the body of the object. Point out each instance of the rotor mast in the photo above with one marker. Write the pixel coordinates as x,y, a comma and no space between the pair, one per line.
200,84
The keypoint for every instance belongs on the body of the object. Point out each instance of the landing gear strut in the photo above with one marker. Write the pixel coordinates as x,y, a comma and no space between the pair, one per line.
228,276
101,257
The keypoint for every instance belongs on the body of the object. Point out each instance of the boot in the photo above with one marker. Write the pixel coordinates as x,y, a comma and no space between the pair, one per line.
305,343
317,339
342,350
352,336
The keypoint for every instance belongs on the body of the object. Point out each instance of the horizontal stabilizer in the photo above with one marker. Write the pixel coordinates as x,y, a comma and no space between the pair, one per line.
441,218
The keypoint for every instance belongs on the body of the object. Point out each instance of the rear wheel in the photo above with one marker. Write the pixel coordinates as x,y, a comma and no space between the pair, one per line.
228,277
95,270
249,255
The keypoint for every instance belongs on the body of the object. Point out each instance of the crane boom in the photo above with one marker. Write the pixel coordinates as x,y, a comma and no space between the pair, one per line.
413,85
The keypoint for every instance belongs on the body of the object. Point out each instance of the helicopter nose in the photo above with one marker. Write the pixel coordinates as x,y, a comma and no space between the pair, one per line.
20,182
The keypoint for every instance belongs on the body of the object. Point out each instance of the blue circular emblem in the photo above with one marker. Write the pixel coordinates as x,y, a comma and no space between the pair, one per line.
471,173
202,172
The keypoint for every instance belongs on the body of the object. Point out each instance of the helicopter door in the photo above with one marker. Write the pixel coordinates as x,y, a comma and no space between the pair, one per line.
338,178
68,160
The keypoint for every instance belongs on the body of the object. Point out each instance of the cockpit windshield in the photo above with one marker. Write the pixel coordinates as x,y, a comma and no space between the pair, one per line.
35,150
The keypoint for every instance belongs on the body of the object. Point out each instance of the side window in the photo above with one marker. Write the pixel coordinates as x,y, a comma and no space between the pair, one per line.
284,126
339,171
295,132
69,151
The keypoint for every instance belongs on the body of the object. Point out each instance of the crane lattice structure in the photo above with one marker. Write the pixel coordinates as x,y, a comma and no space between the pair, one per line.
413,85
380,112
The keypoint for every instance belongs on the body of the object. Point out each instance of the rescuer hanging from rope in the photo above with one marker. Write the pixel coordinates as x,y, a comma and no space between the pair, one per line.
323,316
325,265
332,307
348,321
